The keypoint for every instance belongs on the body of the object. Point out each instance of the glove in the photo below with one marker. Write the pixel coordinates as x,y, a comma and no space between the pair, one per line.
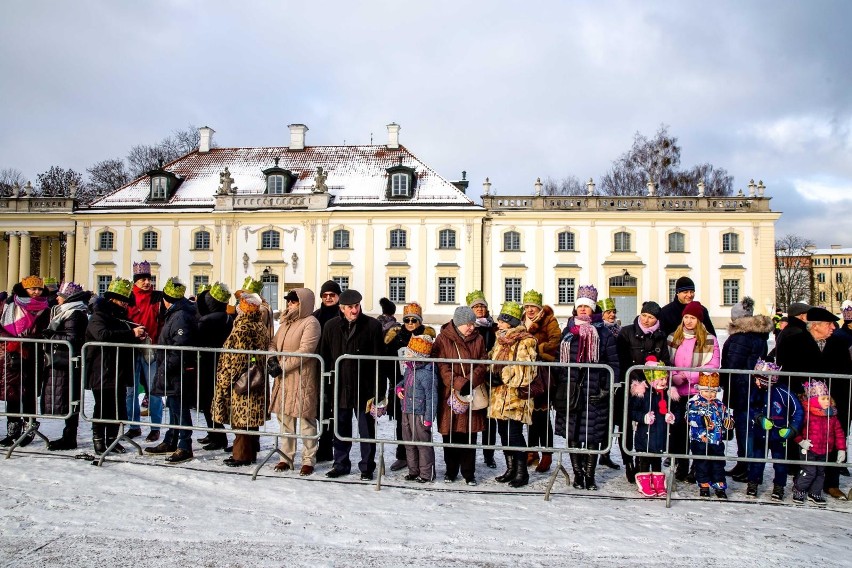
400,393
427,423
841,456
806,445
764,422
465,390
786,432
649,418
670,418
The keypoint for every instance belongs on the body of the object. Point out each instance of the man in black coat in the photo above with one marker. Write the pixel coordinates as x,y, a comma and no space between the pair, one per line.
214,327
672,313
329,309
354,333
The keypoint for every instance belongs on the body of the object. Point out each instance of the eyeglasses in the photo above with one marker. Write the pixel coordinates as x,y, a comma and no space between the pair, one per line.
329,295
292,301
410,320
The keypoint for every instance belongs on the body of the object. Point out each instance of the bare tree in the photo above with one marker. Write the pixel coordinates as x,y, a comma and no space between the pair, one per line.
794,277
9,178
569,185
144,158
57,182
106,176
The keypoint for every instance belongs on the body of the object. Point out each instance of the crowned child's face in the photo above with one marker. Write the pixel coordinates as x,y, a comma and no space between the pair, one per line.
660,384
824,401
708,394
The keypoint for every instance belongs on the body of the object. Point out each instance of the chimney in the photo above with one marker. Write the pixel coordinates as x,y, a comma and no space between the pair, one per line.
297,136
393,136
205,138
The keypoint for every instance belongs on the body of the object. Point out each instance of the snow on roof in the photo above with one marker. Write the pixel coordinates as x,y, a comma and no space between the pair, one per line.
831,251
357,176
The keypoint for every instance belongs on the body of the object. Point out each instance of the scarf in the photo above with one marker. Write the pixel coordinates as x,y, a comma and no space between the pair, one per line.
62,312
662,406
484,322
614,328
815,409
145,312
19,317
588,348
649,330
506,339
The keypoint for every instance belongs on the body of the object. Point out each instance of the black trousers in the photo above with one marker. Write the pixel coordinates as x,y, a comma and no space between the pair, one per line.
460,459
108,406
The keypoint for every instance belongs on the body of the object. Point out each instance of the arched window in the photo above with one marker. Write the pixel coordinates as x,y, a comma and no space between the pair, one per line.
149,240
730,242
106,241
565,241
202,240
677,242
398,239
447,239
270,239
340,239
511,241
621,242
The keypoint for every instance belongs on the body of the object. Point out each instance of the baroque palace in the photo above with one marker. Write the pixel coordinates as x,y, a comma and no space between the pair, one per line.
378,219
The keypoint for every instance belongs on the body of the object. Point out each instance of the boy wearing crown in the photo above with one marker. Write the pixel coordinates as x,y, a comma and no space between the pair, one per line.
708,420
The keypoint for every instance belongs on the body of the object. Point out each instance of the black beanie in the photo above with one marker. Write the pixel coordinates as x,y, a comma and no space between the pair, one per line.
388,307
683,284
330,286
651,307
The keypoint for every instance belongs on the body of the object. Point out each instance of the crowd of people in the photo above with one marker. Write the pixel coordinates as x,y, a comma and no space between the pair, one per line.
689,412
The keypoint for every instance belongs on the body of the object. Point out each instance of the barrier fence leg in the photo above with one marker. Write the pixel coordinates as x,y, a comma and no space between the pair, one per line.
32,428
381,468
556,471
129,440
670,479
276,450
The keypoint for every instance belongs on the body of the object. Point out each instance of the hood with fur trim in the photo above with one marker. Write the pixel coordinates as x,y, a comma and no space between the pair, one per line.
752,324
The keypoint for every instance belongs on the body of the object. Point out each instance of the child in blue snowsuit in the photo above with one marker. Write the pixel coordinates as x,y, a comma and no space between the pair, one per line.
708,420
418,391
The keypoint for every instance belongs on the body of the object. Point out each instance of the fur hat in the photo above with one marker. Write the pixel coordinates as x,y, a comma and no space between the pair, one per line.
708,381
413,310
219,292
474,298
252,285
419,346
587,296
767,368
350,297
683,284
651,307
68,289
846,309
32,282
119,289
388,307
249,303
141,270
330,286
607,304
744,309
694,309
815,388
532,298
174,289
510,313
463,315
797,309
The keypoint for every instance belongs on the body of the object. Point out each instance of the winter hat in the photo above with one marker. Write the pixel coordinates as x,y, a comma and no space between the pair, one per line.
68,289
797,309
510,313
607,304
815,388
463,315
532,298
419,346
174,289
651,307
708,381
141,270
388,307
119,289
330,286
252,285
249,303
350,297
475,298
32,282
51,283
767,368
291,296
413,310
694,309
220,292
846,308
683,284
587,296
821,314
744,309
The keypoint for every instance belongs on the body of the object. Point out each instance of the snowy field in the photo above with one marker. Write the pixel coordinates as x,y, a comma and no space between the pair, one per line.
61,511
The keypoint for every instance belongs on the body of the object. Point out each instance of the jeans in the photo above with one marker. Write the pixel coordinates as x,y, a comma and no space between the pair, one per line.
708,471
755,448
155,403
179,415
366,429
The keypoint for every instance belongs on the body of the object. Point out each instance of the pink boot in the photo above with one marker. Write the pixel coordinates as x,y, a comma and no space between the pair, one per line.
659,482
644,483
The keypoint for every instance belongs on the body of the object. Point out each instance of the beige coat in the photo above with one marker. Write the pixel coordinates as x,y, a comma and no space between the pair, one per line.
296,393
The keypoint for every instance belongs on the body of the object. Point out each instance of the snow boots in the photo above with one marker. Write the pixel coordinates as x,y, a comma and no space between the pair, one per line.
14,429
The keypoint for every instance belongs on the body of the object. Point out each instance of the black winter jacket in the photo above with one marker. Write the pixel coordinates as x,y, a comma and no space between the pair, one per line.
358,380
746,343
61,376
108,367
672,314
634,346
214,327
176,369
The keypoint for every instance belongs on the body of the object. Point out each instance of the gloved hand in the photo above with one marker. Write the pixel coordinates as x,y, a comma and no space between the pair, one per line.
763,422
649,418
427,423
465,390
806,445
841,456
670,418
786,432
400,393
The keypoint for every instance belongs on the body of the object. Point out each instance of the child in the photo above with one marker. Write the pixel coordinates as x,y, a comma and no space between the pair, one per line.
649,406
822,434
775,414
418,391
708,420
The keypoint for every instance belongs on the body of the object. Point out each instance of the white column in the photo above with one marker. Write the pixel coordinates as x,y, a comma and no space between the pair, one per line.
4,255
70,248
26,255
12,277
53,265
44,257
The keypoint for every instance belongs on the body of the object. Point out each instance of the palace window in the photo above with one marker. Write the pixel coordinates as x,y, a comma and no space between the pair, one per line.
621,242
511,241
149,240
566,290
103,283
677,242
340,239
565,241
730,243
730,292
270,239
447,239
398,240
198,281
342,281
512,290
446,290
106,241
202,240
396,289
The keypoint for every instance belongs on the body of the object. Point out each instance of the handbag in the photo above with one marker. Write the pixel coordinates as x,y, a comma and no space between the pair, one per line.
476,400
251,380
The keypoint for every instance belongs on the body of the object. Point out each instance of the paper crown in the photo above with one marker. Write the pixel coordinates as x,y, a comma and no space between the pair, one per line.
419,346
532,298
474,298
607,304
708,381
32,282
252,285
141,269
68,289
846,308
815,388
220,292
120,287
413,310
512,309
203,288
587,296
174,288
50,281
767,369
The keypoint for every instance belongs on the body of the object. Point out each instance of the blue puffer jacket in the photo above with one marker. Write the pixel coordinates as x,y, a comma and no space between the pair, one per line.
746,343
421,390
779,405
705,419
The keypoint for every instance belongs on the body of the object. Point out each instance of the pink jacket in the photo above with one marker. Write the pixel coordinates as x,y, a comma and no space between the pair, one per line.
684,355
824,432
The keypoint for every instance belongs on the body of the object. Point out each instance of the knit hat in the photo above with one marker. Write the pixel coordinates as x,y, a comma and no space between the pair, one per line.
350,297
651,307
413,310
249,303
815,388
694,309
797,309
708,381
388,307
220,292
174,289
821,314
474,298
32,282
419,346
744,309
532,298
607,304
587,296
51,283
463,315
68,289
330,286
767,368
510,313
683,284
141,270
119,289
252,285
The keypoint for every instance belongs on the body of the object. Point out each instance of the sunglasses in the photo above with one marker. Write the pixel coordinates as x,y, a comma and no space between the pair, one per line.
410,320
292,301
329,295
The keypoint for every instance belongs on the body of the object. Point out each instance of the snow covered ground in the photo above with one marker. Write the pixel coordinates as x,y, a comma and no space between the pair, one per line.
60,511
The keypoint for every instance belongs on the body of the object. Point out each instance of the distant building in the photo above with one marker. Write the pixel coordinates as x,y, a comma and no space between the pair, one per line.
832,270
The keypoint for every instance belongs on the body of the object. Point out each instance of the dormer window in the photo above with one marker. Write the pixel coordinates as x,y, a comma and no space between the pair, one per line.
401,182
163,184
159,188
275,185
278,180
399,185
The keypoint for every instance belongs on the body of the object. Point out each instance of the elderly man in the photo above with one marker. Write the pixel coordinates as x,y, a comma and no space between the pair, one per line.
672,313
329,309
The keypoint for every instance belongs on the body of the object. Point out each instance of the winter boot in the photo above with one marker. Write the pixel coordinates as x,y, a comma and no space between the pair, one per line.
14,429
545,462
704,490
681,469
30,435
99,444
532,459
777,492
589,470
606,460
522,474
645,483
577,464
630,471
118,449
658,481
751,490
488,458
739,469
509,474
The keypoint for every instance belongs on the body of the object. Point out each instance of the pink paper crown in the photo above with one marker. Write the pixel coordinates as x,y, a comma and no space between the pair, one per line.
588,291
143,267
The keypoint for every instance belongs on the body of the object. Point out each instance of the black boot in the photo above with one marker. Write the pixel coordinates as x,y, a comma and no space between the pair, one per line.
68,441
606,460
118,449
30,435
488,458
522,474
738,470
99,444
630,471
577,464
591,465
509,474
681,469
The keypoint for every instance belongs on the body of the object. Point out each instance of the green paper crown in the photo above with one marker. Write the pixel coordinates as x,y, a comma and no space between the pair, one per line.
220,292
475,297
48,280
174,288
512,309
606,304
252,285
532,298
203,288
121,287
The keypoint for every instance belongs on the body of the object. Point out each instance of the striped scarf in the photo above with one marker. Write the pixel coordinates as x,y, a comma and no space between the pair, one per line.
588,348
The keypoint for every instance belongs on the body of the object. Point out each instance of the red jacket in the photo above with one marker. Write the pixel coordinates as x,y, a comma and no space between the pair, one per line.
824,432
146,311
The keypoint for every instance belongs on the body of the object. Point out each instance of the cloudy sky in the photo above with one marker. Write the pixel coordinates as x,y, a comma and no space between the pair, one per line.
507,90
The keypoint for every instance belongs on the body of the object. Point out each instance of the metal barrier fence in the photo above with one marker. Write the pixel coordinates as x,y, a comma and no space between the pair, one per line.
570,393
764,420
35,385
188,375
